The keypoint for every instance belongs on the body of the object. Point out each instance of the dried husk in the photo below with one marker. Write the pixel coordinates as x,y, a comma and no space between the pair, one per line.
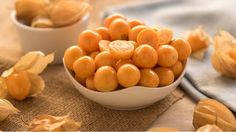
6,108
26,10
209,111
53,123
42,22
199,54
220,59
33,63
66,12
209,128
3,89
162,129
199,41
37,85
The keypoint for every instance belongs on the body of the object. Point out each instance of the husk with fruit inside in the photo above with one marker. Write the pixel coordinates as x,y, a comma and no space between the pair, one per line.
200,43
220,59
6,108
162,129
209,111
209,128
53,123
33,63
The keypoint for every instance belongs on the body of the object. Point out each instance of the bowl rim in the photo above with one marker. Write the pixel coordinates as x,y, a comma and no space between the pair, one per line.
23,26
129,88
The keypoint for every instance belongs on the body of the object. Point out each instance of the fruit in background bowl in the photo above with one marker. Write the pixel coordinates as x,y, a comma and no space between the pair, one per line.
48,13
128,66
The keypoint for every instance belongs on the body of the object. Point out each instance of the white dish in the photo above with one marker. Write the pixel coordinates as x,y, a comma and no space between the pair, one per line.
49,40
126,99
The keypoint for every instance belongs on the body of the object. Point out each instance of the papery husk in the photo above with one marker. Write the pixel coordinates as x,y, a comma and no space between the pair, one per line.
6,108
210,111
66,12
34,62
37,85
42,22
220,59
199,54
53,123
26,10
198,39
209,128
162,129
3,89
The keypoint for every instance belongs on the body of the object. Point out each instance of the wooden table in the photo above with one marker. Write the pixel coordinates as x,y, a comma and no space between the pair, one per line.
178,116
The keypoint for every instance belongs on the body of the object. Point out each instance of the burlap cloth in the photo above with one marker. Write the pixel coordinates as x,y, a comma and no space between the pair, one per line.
60,98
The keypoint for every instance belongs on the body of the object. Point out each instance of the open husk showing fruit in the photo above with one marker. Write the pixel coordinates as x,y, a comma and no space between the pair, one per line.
209,111
199,41
50,13
23,80
224,56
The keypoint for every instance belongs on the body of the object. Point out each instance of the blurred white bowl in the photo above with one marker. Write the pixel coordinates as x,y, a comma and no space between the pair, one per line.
49,40
126,99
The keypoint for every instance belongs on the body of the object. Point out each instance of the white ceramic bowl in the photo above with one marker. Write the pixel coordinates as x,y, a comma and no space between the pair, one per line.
49,40
126,99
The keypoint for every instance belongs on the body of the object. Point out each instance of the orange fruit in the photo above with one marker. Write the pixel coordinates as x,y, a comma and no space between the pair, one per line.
148,36
119,29
135,22
18,85
145,56
183,48
119,63
94,54
167,55
104,59
104,45
111,18
90,83
135,31
128,75
166,76
88,40
104,32
177,69
121,49
105,79
84,67
71,55
134,44
148,78
165,36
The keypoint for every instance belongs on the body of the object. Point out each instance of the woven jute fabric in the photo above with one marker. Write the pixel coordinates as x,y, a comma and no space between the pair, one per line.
60,98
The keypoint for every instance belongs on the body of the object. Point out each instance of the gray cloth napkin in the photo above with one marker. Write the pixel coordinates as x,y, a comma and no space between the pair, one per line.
201,80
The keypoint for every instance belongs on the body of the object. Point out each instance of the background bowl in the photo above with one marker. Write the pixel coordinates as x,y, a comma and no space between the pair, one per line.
49,40
126,99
